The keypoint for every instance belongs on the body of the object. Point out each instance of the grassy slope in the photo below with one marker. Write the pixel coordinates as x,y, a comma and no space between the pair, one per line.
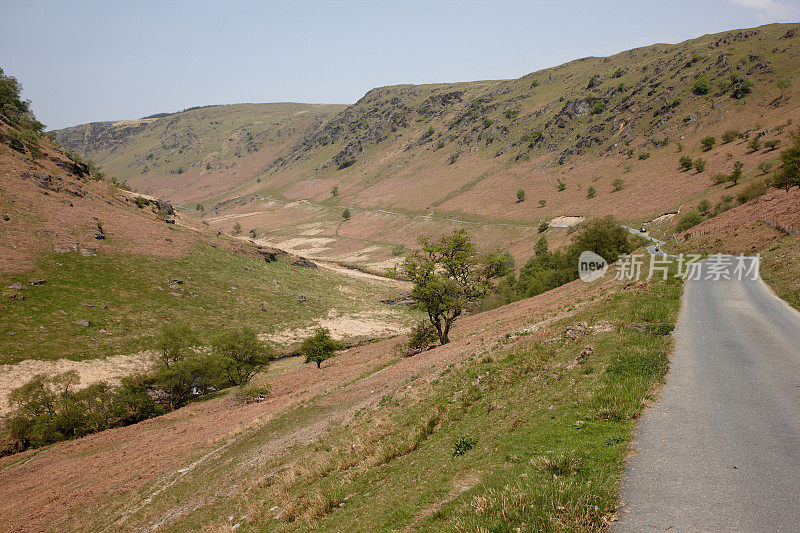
130,296
552,432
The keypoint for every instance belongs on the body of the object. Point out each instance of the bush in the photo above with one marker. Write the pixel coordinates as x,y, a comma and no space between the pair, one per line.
719,179
245,395
689,220
561,186
346,213
520,196
699,165
174,344
736,175
752,191
701,86
764,167
707,143
428,133
704,206
730,136
511,114
789,174
772,144
754,144
237,228
422,335
463,444
686,162
644,155
617,185
543,226
741,87
140,202
542,203
591,192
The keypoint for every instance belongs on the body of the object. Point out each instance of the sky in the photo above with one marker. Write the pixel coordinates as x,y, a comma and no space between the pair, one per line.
84,61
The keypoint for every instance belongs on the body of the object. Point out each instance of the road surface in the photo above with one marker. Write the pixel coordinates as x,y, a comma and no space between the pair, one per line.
653,249
720,451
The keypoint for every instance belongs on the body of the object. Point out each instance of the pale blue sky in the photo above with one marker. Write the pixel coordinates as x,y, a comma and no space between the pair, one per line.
85,61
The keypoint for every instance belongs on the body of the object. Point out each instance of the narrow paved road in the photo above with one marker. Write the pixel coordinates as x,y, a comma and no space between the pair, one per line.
720,451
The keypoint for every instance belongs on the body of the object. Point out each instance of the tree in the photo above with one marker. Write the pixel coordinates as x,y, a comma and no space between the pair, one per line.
542,203
618,184
591,192
320,347
346,213
772,144
689,220
754,144
701,86
708,143
241,355
686,162
237,228
447,275
520,196
561,186
736,175
741,87
335,190
174,343
704,206
699,165
788,175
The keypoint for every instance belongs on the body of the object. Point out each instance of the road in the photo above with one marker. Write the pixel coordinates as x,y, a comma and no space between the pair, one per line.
720,450
653,249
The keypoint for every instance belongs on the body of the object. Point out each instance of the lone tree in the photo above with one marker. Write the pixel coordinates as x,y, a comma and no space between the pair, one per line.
448,274
789,174
708,143
520,196
736,175
320,347
237,228
346,213
335,190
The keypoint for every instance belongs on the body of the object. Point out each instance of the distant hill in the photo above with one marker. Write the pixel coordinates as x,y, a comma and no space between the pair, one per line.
197,152
591,137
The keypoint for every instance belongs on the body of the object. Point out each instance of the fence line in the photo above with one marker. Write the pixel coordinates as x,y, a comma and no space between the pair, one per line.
779,224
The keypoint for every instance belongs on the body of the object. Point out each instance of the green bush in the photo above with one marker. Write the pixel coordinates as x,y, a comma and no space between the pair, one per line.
463,444
241,355
689,220
644,155
752,191
591,192
701,86
520,196
617,185
707,143
686,162
699,165
704,206
730,136
543,226
772,144
422,335
754,144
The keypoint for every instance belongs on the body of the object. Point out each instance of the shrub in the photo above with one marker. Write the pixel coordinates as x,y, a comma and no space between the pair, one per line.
686,162
719,179
789,174
699,165
561,186
237,228
754,144
346,213
542,203
140,202
752,191
428,133
520,196
764,167
772,144
511,114
174,344
689,220
701,86
704,206
707,143
320,347
730,136
422,335
617,185
543,226
463,444
644,155
599,106
741,87
335,190
591,192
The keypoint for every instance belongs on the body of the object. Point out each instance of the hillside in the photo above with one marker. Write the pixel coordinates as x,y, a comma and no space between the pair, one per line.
195,153
409,159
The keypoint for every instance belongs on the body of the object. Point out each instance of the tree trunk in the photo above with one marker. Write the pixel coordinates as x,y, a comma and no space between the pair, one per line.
319,364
